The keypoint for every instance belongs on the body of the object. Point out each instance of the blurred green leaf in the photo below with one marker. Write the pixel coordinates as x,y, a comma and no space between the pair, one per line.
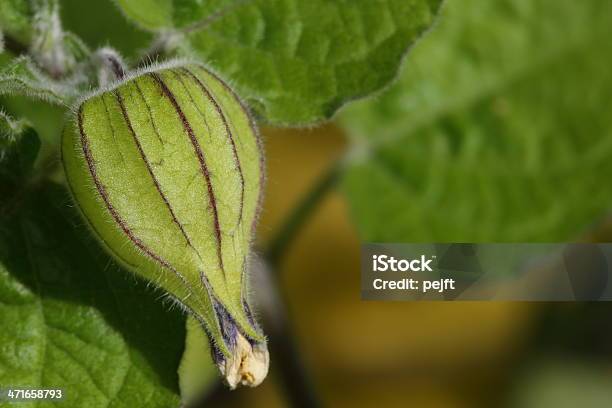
197,372
72,320
564,383
496,130
15,19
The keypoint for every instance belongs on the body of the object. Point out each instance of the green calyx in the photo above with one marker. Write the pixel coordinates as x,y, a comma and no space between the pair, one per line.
167,168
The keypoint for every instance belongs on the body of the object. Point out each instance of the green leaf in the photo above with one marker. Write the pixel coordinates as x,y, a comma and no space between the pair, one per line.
563,382
15,19
197,372
73,320
160,15
297,62
496,130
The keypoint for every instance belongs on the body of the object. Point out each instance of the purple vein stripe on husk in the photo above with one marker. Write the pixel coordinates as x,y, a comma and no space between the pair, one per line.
258,142
111,209
228,131
149,168
200,155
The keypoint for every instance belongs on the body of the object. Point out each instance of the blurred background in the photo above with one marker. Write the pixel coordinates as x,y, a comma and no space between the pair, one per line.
512,107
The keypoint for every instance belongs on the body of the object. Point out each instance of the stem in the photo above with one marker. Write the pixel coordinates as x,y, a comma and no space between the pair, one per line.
301,213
